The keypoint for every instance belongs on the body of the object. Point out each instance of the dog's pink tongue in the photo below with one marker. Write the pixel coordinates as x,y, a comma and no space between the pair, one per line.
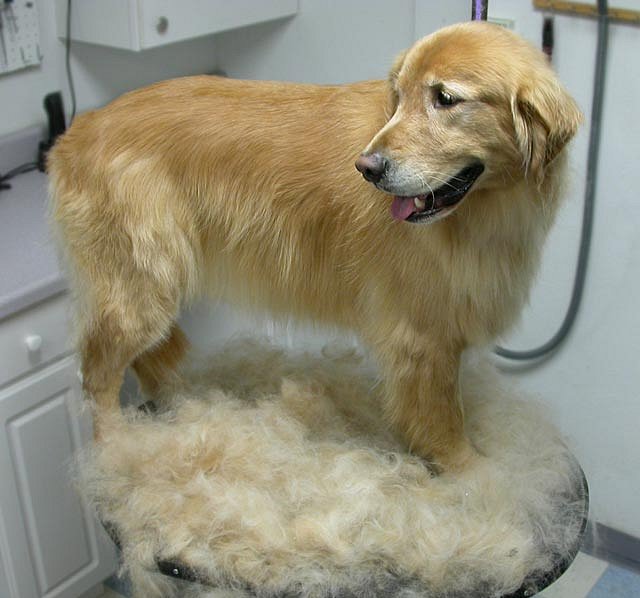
402,207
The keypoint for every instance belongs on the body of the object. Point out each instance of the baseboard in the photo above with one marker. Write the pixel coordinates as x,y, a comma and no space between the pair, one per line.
94,592
612,545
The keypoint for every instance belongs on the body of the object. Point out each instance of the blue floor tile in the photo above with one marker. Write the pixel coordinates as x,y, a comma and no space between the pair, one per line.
616,583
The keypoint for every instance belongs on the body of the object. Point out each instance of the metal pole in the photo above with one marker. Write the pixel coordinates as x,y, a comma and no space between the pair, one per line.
479,10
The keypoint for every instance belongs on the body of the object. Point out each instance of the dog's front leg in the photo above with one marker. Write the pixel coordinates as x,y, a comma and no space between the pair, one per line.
422,399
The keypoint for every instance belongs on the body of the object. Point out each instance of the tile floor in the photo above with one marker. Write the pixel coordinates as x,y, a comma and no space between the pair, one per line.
587,577
579,579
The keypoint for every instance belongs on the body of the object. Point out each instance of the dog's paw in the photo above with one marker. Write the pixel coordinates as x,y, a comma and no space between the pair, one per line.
464,458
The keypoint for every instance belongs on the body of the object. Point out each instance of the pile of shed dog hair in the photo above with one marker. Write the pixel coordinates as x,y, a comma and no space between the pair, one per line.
272,474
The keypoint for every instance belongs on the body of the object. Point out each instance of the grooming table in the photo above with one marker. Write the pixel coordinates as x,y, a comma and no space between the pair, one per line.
270,474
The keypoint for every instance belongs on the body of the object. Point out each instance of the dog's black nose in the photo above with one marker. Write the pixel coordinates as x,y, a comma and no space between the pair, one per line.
372,167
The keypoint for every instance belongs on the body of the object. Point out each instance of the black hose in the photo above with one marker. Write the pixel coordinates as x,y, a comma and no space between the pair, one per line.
589,201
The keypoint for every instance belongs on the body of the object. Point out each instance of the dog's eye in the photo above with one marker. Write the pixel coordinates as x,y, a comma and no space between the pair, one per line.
445,99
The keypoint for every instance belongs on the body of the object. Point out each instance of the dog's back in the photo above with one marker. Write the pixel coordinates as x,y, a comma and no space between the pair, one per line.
214,185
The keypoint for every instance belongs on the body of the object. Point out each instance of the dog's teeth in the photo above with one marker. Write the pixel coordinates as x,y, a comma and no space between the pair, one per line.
419,203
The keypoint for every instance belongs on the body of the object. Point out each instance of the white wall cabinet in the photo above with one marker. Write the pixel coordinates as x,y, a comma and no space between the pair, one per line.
50,544
142,24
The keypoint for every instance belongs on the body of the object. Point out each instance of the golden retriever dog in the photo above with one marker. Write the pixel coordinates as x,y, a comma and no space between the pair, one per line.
247,191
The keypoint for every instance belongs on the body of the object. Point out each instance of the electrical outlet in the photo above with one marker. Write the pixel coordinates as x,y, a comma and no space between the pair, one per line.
506,23
19,35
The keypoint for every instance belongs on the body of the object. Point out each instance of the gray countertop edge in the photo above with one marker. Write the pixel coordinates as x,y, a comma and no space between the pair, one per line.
46,288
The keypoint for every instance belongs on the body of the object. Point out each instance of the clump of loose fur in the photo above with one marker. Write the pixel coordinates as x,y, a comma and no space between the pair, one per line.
272,474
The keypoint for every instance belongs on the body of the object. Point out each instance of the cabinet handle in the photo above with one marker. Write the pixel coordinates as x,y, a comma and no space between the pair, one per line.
33,342
162,25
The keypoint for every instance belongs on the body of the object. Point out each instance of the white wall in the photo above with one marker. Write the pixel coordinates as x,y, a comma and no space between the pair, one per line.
329,41
592,385
21,93
333,41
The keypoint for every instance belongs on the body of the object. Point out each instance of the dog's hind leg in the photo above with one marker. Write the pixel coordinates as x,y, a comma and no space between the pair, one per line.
133,247
113,336
157,367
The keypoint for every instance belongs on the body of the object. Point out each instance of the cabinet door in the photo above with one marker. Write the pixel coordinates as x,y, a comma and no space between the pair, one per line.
50,543
166,21
140,24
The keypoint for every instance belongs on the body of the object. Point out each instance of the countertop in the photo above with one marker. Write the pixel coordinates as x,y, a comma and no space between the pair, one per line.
30,270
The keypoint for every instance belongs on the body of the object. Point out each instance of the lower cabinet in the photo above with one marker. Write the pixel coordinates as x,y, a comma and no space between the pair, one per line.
50,544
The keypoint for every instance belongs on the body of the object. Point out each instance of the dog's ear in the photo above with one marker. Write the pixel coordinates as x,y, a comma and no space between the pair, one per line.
393,83
546,118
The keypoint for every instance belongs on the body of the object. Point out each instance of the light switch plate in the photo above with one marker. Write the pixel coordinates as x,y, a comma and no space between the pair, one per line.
506,23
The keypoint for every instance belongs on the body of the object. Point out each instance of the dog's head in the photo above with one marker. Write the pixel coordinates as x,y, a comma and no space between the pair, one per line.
472,106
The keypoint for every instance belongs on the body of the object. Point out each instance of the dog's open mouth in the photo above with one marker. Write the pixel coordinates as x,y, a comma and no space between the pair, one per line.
422,208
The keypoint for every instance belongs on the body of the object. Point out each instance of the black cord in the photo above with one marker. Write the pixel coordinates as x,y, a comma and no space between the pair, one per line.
27,167
72,88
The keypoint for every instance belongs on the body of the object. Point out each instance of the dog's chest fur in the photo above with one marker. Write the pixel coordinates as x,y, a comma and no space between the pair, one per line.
468,278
